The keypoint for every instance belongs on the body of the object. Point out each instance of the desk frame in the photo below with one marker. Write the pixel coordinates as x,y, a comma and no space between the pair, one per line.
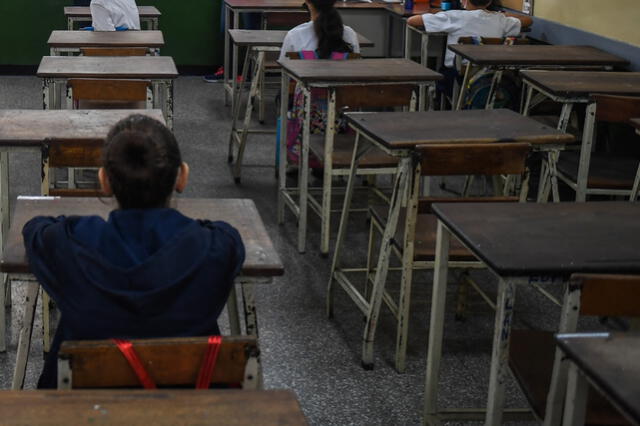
425,37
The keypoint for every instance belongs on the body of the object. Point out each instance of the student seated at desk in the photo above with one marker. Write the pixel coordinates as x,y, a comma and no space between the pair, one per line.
324,37
147,271
475,21
109,15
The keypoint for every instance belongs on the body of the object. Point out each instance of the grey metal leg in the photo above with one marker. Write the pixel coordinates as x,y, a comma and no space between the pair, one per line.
168,102
500,353
436,324
250,316
463,89
303,173
232,311
424,43
325,217
585,152
495,82
402,182
282,148
3,328
360,147
575,407
227,41
24,341
236,53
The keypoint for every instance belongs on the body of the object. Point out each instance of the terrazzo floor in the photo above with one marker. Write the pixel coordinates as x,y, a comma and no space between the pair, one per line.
302,350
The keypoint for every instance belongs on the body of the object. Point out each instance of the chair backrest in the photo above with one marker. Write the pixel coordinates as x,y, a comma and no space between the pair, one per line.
103,90
288,20
114,51
65,153
473,159
170,362
616,109
493,40
608,295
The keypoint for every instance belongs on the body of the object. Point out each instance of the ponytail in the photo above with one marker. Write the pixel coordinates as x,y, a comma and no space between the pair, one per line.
329,29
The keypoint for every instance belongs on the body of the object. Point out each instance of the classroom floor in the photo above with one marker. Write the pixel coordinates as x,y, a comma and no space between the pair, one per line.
302,350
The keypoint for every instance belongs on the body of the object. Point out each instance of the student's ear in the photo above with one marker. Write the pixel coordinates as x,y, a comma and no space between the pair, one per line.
105,185
183,177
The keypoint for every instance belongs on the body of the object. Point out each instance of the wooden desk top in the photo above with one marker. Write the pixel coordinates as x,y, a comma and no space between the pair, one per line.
610,361
584,83
21,128
360,70
106,39
262,260
151,407
82,12
418,9
408,129
529,54
272,38
525,239
107,67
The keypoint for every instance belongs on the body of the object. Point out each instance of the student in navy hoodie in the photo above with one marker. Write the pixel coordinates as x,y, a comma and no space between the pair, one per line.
147,271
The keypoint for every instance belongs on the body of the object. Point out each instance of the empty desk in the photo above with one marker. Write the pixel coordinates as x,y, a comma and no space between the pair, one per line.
148,14
73,41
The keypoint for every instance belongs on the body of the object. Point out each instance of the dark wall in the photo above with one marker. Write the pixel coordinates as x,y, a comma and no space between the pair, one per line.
191,29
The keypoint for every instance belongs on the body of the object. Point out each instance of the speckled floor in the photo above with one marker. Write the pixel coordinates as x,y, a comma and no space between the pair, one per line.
303,350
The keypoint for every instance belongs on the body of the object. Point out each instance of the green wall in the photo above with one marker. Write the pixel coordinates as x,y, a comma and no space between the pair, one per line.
191,29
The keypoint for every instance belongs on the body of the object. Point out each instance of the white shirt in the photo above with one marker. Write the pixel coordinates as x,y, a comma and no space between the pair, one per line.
303,37
467,23
109,14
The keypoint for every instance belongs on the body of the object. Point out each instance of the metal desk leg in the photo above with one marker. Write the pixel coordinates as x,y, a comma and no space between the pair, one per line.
585,153
463,88
234,60
240,135
404,180
24,341
575,407
227,40
3,328
249,303
568,324
282,148
325,217
407,41
303,173
500,353
70,24
48,94
360,147
424,43
436,324
232,311
168,102
495,82
527,102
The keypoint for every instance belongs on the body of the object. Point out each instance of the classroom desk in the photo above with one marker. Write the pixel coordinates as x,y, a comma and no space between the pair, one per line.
148,14
526,56
525,244
61,42
151,407
161,70
397,134
570,88
27,130
378,15
607,361
257,44
262,262
331,75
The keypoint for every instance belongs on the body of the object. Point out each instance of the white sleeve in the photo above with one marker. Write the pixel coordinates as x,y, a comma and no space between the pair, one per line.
351,37
441,22
101,18
512,26
287,46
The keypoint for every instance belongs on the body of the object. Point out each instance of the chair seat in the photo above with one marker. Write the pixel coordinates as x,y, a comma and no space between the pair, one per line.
425,240
343,151
531,356
605,171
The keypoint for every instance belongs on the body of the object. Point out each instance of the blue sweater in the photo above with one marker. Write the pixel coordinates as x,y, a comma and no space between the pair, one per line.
143,273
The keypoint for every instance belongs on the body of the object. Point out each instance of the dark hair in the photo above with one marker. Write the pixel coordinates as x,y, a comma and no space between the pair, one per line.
329,29
141,159
480,3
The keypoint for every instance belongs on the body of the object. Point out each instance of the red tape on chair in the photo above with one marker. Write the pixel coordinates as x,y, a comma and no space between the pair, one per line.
209,362
126,347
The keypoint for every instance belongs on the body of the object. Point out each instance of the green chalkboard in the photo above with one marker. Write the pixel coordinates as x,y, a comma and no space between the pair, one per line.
191,29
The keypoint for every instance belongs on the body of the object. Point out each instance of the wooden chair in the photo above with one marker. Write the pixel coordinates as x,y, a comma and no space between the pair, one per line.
109,94
538,365
171,362
114,51
415,243
70,154
602,173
